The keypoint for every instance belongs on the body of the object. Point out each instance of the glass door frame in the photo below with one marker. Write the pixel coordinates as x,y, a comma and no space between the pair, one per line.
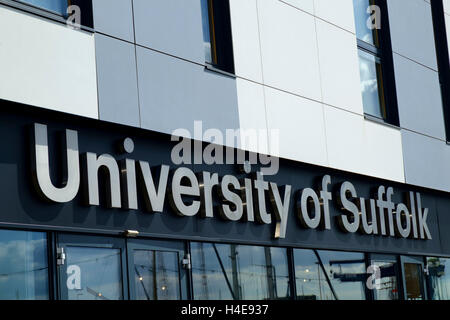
64,240
413,260
177,246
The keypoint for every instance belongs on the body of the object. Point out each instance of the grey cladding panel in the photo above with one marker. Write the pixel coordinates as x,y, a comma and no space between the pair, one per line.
412,30
114,18
426,161
175,93
117,82
419,98
170,26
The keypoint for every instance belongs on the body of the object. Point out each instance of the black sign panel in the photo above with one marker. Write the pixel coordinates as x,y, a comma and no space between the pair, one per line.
23,207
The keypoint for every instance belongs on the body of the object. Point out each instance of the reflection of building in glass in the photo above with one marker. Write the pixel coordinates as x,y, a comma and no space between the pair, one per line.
439,279
239,272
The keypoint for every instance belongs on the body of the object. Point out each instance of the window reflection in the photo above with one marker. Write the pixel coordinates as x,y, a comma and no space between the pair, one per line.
388,286
347,273
362,16
310,279
94,273
57,6
439,278
329,275
156,275
206,30
370,59
225,272
371,78
23,266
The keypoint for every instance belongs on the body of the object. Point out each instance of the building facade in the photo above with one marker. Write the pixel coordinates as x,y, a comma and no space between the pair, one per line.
106,105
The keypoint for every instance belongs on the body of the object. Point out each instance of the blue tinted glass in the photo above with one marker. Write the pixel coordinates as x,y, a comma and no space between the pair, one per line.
225,272
373,97
156,275
93,273
23,266
206,31
362,16
310,280
58,6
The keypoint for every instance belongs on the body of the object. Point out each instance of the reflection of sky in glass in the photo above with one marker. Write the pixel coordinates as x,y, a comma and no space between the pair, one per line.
310,280
345,290
361,16
439,276
101,276
23,265
368,68
255,277
206,31
58,6
156,275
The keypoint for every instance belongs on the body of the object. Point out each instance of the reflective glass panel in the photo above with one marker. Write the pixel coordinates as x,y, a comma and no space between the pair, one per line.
346,273
364,19
413,281
387,288
224,272
57,6
156,275
94,273
439,278
310,279
23,266
206,31
371,85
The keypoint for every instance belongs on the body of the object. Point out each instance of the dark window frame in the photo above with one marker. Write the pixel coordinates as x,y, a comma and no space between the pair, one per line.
385,55
221,39
87,20
443,59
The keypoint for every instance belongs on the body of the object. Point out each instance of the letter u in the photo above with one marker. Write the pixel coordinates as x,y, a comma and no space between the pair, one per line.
71,183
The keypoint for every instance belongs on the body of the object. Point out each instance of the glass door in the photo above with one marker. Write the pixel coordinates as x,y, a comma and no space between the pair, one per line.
156,271
413,278
91,268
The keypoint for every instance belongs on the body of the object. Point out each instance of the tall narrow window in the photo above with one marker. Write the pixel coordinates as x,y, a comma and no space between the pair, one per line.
443,58
217,37
375,60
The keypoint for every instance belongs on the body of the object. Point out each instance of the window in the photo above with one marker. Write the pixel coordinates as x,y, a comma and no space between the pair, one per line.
23,266
237,272
375,60
57,9
217,34
438,278
55,6
330,275
156,275
442,51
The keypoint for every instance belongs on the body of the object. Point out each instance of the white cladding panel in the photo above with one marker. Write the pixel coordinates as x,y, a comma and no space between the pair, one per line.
47,64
